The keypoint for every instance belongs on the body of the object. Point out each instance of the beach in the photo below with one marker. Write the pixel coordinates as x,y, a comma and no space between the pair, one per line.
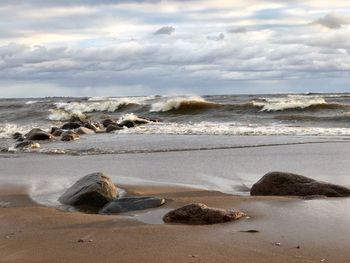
36,228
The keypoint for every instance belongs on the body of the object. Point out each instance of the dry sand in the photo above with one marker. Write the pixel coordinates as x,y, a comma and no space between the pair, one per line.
32,233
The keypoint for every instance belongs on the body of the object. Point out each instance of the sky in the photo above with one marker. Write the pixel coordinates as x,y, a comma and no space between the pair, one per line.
172,47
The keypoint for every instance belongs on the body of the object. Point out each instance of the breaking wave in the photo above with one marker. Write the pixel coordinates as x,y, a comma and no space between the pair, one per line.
289,102
183,104
232,128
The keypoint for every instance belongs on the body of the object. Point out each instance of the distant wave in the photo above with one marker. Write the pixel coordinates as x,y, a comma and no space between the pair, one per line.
291,102
232,128
64,110
183,104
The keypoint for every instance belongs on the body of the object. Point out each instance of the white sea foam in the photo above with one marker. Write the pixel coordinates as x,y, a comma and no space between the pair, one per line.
60,115
7,129
131,117
31,102
289,102
176,102
212,128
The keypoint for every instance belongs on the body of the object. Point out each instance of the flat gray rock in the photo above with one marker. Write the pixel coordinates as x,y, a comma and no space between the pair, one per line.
127,204
200,214
288,184
93,190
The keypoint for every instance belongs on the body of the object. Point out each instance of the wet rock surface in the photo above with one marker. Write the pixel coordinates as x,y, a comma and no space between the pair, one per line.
92,190
127,204
288,184
200,214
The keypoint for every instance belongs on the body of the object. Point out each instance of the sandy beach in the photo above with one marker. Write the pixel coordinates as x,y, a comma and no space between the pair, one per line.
34,228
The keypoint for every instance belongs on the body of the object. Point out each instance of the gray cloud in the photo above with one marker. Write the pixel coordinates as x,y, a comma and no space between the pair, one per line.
165,30
333,21
237,30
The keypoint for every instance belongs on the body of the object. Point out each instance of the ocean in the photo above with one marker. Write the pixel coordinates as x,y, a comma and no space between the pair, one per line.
280,114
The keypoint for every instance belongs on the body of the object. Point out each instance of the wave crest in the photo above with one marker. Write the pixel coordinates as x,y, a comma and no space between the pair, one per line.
289,102
183,104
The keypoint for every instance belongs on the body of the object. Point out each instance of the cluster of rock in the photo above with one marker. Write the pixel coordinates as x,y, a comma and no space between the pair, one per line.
72,130
96,192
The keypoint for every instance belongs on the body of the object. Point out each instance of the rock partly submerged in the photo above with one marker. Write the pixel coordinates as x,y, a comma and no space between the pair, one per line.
200,214
126,204
69,136
37,134
92,190
288,184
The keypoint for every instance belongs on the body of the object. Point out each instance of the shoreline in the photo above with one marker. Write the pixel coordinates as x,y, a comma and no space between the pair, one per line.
40,234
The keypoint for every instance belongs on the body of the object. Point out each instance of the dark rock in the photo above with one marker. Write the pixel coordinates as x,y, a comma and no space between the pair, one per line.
27,144
20,139
84,130
107,122
71,125
127,123
113,127
279,183
69,136
200,214
17,135
126,204
93,190
57,132
38,134
53,129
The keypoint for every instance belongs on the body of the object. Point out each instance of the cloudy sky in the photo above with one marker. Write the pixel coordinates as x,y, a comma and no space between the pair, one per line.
148,47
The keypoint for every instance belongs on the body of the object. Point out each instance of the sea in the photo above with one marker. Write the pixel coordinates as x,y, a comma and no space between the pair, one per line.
277,114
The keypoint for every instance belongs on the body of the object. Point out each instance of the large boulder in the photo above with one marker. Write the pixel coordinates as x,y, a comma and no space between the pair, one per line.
93,190
279,183
38,134
200,214
127,204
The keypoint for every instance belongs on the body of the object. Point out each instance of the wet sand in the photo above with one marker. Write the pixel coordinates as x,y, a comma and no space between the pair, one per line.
33,232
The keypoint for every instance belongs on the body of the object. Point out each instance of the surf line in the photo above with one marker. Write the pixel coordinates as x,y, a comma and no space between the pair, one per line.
87,153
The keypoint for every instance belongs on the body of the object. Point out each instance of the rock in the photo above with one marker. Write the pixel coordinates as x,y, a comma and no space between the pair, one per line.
69,136
113,127
127,123
57,133
92,190
279,183
38,134
107,122
20,139
80,118
200,214
27,144
126,204
91,126
17,135
84,130
71,125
